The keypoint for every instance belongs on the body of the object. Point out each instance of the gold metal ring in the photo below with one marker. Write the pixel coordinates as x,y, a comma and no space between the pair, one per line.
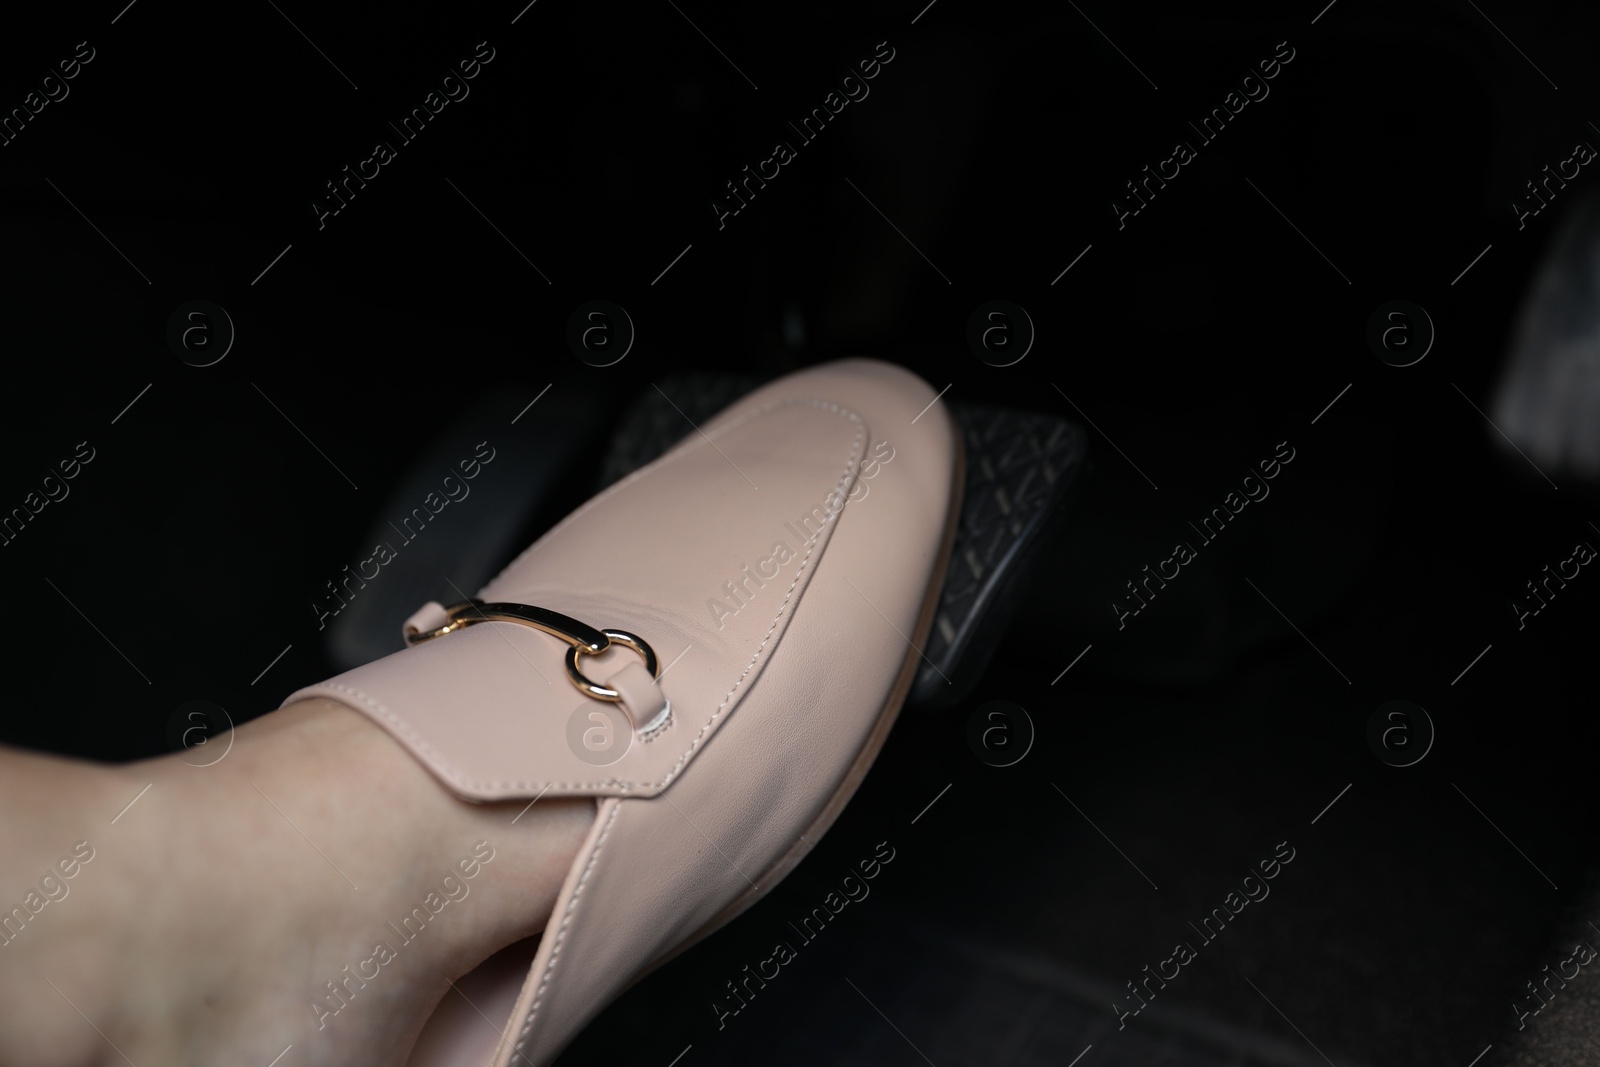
594,689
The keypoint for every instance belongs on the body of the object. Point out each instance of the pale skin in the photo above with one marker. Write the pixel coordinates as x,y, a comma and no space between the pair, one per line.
205,925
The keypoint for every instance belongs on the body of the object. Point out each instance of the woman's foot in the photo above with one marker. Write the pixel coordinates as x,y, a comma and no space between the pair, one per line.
316,887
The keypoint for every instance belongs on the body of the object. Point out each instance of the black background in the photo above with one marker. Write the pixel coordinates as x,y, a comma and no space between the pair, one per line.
1196,338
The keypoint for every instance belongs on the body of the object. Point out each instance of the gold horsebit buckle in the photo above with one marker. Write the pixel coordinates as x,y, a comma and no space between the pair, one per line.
581,638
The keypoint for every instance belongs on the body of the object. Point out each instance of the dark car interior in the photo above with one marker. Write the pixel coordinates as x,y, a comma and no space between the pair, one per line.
1281,400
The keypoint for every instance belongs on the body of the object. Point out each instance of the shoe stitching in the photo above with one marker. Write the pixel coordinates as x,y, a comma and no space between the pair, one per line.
437,760
566,919
841,488
670,456
657,730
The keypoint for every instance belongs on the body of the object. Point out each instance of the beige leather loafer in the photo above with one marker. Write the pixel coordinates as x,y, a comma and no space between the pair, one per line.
714,649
